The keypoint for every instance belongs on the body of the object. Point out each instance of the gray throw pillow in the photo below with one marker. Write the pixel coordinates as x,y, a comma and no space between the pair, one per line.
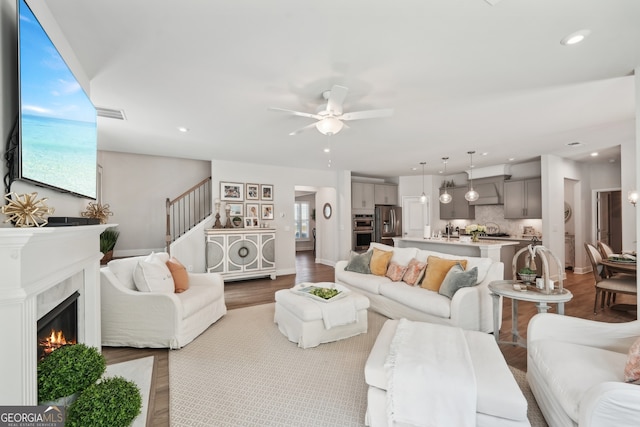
359,263
458,278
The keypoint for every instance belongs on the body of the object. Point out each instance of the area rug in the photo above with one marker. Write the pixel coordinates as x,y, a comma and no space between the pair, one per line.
243,372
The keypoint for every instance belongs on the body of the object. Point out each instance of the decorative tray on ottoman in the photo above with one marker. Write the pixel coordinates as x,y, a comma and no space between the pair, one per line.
325,291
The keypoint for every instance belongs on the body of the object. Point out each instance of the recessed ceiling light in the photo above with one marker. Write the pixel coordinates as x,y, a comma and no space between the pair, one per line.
594,154
326,150
414,169
485,154
575,38
511,159
183,129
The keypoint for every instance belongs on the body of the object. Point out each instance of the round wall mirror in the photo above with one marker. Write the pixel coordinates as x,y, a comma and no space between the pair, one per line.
567,211
326,210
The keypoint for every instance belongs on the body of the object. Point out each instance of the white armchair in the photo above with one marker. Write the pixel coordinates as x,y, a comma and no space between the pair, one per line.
575,368
131,318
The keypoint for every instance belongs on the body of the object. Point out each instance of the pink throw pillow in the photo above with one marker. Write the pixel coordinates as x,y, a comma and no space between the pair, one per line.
414,272
632,368
395,271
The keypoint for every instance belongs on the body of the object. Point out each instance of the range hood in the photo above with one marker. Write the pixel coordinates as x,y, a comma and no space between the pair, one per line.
491,190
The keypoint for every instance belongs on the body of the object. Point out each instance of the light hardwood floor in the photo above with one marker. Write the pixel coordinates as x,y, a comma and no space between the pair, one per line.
261,291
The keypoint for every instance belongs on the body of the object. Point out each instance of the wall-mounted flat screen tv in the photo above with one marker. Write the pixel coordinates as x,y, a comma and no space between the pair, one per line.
57,121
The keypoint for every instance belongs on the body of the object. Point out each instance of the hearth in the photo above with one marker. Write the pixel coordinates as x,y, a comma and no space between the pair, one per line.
58,327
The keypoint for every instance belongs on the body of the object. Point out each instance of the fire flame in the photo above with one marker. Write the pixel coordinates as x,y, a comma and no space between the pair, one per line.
54,341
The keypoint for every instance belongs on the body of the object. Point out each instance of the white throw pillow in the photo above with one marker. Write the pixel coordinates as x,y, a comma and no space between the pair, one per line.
153,275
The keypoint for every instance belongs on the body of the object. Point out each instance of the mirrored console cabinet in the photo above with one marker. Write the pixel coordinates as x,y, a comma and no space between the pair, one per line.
241,253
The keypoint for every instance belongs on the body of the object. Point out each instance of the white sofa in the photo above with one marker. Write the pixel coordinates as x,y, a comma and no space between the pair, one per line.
575,368
131,318
470,308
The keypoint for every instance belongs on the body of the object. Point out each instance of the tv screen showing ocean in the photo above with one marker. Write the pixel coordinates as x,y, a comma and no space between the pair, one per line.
60,153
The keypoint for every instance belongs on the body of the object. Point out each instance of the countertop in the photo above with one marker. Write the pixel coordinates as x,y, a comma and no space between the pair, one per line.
494,241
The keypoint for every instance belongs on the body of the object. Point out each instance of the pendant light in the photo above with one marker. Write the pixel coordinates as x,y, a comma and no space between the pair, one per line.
471,195
445,197
423,198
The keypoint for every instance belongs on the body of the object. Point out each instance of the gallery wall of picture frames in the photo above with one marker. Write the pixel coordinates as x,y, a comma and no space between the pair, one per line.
249,205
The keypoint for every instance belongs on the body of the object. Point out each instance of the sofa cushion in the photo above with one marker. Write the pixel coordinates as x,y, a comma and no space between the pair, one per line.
369,282
198,297
632,368
400,256
123,270
380,261
359,263
437,269
152,275
179,274
417,298
457,278
414,272
395,272
572,370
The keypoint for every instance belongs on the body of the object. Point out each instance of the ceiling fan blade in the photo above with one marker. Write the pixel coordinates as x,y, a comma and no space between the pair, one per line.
336,99
297,113
369,114
297,131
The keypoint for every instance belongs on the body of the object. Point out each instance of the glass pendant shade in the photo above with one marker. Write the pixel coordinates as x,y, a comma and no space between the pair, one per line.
471,195
445,197
423,198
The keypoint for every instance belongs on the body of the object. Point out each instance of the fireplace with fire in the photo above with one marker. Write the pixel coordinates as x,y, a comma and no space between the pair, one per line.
58,327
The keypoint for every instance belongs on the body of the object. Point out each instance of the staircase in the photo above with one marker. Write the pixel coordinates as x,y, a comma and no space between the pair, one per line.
187,210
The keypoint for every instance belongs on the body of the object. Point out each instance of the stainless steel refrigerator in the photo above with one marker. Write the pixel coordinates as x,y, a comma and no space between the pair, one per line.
388,224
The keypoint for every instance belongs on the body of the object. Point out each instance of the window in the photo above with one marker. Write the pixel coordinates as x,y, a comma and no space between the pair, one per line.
301,217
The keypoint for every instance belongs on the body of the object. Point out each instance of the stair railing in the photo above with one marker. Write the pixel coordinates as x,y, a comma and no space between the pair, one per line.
187,210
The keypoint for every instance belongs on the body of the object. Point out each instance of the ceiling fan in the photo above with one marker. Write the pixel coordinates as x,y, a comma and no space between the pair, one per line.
330,117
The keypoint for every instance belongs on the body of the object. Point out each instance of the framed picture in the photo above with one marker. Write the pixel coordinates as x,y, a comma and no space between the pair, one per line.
267,211
253,210
253,192
231,191
266,192
251,222
236,209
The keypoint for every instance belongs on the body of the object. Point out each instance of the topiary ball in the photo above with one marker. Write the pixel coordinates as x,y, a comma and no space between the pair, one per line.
113,402
68,370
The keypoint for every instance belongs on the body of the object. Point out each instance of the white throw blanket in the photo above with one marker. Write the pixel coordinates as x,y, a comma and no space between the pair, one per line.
431,382
339,311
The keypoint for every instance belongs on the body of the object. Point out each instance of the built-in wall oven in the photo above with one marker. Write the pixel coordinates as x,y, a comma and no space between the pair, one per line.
362,231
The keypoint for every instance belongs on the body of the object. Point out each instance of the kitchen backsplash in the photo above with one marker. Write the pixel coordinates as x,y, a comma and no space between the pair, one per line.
494,214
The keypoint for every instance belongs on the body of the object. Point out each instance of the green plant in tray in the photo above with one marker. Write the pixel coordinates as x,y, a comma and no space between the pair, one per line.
325,293
526,270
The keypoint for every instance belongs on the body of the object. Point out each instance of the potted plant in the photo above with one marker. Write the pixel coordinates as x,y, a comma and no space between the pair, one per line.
111,402
108,240
67,371
527,275
237,221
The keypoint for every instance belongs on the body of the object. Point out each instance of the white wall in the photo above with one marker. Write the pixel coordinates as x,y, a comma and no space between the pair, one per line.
136,187
330,189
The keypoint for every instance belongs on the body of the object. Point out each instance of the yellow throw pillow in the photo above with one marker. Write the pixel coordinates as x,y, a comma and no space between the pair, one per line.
180,275
380,261
437,269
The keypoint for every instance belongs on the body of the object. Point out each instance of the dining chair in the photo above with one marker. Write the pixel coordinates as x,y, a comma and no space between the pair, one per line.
613,284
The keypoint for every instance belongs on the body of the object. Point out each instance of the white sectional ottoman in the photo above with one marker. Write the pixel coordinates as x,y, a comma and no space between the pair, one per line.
500,400
300,319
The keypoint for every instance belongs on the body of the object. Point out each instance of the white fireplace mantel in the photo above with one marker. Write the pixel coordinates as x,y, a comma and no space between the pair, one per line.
43,263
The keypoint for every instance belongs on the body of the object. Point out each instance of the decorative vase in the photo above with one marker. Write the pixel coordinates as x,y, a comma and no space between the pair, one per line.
475,237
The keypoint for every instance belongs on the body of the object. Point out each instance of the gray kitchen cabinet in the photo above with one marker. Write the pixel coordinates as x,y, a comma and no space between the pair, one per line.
523,199
459,207
362,196
386,194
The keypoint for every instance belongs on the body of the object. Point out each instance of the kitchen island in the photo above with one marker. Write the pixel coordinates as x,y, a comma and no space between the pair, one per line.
498,250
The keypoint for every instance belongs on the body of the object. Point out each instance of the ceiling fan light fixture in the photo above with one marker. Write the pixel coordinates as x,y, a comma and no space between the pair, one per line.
329,126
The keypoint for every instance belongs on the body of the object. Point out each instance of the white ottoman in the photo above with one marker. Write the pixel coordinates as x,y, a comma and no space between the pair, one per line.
500,400
299,318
